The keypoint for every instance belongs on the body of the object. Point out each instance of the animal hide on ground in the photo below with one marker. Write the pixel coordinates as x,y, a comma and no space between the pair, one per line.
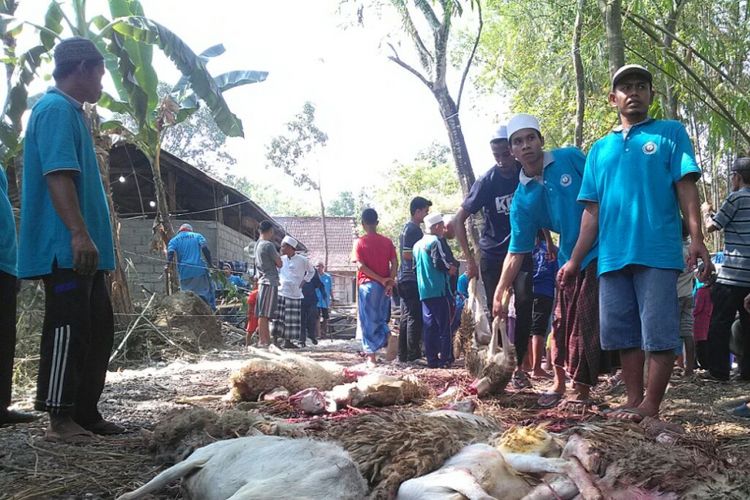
391,448
274,368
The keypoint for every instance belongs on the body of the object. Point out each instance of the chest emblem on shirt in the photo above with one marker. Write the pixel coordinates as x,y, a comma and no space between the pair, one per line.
649,148
566,180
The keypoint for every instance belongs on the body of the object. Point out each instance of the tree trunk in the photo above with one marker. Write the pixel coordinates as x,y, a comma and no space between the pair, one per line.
162,228
456,137
580,82
460,153
612,12
325,229
669,101
122,303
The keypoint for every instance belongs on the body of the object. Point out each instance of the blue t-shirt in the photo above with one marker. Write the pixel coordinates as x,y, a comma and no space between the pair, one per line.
187,245
325,302
632,177
492,193
431,264
7,229
462,289
58,139
545,271
552,206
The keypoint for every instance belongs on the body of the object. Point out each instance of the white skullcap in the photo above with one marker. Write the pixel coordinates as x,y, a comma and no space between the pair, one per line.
522,121
432,219
290,241
500,133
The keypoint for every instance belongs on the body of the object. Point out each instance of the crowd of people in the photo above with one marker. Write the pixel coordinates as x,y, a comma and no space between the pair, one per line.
629,294
629,236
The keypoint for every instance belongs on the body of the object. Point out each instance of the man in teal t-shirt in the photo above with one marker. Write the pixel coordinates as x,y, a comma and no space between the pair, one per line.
8,306
433,267
66,240
546,198
637,180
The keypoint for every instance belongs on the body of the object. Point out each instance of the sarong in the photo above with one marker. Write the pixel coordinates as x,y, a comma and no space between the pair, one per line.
288,321
577,347
374,308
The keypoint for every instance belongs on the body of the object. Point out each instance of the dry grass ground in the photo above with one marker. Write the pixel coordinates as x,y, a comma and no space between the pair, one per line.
138,398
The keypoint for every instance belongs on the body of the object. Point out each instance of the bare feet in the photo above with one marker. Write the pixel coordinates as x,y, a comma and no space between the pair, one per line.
62,429
541,374
634,414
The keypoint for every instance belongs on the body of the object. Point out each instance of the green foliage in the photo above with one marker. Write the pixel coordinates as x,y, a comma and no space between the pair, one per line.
272,199
303,137
344,205
436,182
700,67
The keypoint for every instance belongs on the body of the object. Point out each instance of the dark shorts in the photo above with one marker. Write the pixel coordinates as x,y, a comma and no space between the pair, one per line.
324,312
540,316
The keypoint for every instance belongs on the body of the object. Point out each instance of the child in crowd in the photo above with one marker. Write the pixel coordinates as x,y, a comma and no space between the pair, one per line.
252,319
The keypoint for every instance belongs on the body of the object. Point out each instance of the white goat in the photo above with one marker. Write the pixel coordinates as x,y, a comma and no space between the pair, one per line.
263,467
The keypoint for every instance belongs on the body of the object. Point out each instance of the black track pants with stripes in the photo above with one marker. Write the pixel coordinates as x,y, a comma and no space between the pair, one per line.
77,339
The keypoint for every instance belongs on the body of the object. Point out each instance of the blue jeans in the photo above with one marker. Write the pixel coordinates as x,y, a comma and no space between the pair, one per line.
638,309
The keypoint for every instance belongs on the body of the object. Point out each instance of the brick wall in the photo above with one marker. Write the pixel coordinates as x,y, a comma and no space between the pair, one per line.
146,268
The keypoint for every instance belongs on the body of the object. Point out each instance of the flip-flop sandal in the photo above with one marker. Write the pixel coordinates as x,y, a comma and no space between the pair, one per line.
521,382
83,437
549,399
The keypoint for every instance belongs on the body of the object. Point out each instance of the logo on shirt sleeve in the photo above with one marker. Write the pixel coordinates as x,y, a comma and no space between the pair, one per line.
566,180
649,148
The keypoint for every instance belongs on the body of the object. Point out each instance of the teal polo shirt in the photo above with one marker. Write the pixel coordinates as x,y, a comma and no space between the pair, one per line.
632,177
58,139
431,266
7,229
550,203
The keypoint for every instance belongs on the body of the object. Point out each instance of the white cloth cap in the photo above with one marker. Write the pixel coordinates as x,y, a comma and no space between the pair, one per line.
522,121
290,241
500,133
432,219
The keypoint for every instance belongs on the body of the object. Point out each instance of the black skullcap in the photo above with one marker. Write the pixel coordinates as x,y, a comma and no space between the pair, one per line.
741,164
369,216
75,50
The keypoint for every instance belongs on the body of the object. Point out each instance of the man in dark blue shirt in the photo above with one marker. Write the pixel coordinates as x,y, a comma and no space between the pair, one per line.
492,193
410,326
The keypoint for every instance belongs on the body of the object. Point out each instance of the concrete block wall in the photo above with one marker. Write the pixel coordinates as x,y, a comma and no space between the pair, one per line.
146,268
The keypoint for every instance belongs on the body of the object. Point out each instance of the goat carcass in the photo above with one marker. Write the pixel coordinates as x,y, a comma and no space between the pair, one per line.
263,467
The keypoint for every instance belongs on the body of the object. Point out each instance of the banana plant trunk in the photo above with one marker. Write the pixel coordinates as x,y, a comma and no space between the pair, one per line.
122,303
162,228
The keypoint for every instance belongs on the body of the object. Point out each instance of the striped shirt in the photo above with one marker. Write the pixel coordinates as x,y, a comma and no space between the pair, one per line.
734,218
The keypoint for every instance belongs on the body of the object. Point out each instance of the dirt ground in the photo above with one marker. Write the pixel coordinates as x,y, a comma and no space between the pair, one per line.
138,398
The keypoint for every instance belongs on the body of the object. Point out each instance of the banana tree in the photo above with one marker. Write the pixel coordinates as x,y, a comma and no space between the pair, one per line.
131,38
20,70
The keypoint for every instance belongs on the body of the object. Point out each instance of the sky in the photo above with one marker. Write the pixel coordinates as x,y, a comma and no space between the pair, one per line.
374,112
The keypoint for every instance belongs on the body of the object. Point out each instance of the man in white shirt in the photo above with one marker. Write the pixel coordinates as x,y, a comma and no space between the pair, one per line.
295,269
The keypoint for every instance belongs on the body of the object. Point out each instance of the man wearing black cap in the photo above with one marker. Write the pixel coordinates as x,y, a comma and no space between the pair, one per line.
733,282
66,240
636,181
